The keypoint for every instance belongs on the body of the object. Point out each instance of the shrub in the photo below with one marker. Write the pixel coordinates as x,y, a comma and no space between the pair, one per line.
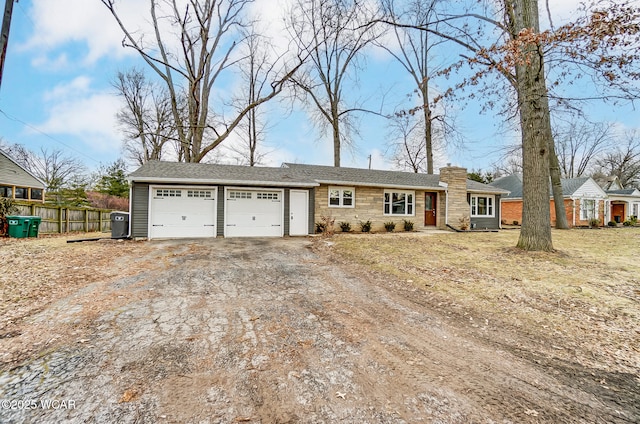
408,225
7,207
326,225
633,220
365,226
345,227
390,226
612,224
627,223
516,223
465,223
594,223
319,227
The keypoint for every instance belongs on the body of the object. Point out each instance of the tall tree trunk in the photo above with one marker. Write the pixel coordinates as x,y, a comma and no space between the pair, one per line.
536,130
428,133
556,188
336,145
335,125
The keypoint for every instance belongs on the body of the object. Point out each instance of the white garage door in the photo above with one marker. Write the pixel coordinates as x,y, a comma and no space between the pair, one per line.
253,213
178,212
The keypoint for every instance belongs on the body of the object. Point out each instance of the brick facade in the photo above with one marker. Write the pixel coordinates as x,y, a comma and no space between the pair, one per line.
512,211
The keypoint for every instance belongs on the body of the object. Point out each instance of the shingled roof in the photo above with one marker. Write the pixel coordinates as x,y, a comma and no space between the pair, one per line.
379,178
206,173
365,177
513,184
291,175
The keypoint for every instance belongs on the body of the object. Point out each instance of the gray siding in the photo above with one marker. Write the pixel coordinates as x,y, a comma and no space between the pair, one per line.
312,211
287,209
490,223
11,174
140,210
220,212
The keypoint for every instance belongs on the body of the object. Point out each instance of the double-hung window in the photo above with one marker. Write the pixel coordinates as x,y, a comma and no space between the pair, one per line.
482,206
399,203
342,197
588,209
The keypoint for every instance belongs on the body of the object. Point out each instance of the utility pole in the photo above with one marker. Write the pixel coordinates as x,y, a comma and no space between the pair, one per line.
4,34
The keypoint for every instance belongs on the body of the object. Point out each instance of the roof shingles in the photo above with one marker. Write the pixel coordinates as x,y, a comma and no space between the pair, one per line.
290,174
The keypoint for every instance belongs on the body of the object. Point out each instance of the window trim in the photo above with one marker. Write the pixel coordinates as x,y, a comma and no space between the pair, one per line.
596,211
390,192
341,190
491,206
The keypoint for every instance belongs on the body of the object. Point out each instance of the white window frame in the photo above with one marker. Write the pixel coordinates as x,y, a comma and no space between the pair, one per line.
341,197
491,206
584,214
407,193
635,209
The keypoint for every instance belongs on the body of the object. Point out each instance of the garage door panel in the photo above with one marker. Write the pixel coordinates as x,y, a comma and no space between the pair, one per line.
253,213
183,212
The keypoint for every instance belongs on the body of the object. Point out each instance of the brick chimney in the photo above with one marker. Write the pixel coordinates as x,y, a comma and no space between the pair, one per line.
457,206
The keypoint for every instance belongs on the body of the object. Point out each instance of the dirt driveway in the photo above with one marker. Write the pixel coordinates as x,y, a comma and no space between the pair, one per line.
274,331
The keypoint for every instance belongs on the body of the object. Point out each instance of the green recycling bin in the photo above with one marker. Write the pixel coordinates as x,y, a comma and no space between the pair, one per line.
18,226
34,225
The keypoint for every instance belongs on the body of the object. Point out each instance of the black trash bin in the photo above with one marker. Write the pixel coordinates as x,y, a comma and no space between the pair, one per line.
119,225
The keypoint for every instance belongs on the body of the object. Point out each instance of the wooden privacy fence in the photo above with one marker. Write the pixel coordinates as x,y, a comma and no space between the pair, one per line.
62,219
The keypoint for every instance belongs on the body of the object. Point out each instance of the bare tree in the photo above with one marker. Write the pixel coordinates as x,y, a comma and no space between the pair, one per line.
205,32
407,145
333,33
624,161
54,167
413,50
580,145
146,119
604,40
256,69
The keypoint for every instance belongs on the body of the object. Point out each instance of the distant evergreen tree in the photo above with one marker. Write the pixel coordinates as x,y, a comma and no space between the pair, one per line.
112,179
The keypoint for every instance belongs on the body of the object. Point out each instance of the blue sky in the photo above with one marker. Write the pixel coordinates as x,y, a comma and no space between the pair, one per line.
63,54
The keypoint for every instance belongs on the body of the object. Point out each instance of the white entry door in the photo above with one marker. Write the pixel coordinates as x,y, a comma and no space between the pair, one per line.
253,213
298,212
182,212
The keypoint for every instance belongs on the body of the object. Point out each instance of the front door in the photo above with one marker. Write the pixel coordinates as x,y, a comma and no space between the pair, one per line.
430,208
617,212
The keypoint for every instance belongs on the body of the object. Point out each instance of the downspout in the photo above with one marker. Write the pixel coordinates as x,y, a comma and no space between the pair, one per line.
446,201
573,211
130,208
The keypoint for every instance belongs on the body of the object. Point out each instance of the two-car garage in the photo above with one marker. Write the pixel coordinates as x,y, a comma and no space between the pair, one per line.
186,212
189,200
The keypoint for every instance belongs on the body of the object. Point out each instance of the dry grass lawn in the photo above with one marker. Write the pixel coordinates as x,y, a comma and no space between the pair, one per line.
581,302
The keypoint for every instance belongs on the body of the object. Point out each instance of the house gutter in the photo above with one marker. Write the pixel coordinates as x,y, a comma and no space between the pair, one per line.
186,181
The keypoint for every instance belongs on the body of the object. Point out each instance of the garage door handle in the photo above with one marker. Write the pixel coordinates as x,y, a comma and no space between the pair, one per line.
158,225
231,225
275,225
209,225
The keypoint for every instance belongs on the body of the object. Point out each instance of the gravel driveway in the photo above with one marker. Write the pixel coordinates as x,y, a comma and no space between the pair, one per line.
272,331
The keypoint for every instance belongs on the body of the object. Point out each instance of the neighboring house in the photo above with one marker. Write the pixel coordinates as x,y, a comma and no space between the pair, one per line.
621,203
18,183
173,200
584,200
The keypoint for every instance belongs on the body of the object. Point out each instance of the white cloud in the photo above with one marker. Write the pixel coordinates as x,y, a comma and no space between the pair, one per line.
61,22
75,109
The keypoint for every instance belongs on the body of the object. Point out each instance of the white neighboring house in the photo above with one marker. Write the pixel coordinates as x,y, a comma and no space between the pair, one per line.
621,202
